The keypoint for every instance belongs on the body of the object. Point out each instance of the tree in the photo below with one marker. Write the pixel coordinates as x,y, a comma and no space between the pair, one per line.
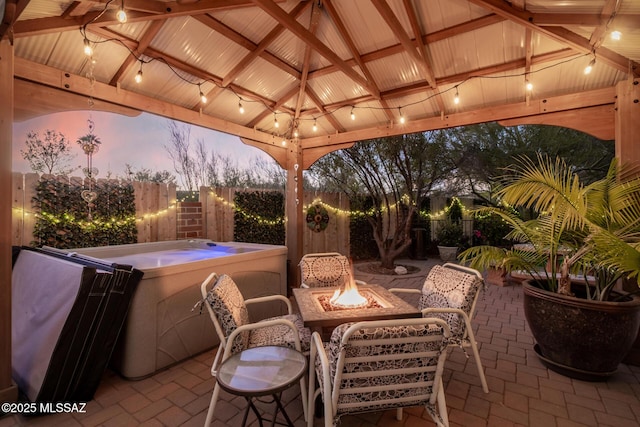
203,167
482,152
50,155
178,150
395,174
144,174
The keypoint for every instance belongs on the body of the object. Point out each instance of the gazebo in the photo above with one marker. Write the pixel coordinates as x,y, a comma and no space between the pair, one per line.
299,79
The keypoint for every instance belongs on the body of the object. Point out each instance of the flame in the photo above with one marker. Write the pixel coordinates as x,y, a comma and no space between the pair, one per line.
348,295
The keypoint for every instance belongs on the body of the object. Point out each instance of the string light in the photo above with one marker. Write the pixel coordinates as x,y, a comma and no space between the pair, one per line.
121,15
616,35
456,100
203,98
528,85
588,68
138,77
88,50
296,133
402,120
275,121
240,107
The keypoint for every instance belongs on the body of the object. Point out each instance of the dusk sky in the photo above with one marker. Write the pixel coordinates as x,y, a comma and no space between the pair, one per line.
138,141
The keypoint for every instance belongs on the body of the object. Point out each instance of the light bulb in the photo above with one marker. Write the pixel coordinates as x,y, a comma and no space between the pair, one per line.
588,68
295,132
353,115
456,99
315,125
284,142
203,98
240,107
401,116
275,121
529,86
88,50
616,35
138,77
121,16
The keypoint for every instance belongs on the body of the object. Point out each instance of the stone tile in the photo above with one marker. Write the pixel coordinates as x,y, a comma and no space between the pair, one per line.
581,414
173,416
466,419
152,410
541,419
509,414
549,408
516,401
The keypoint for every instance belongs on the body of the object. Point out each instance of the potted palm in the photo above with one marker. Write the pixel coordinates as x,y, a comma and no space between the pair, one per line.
583,239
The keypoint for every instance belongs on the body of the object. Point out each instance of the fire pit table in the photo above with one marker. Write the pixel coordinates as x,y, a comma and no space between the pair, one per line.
318,314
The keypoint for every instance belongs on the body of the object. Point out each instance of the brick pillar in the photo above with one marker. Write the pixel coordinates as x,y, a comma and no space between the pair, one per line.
190,221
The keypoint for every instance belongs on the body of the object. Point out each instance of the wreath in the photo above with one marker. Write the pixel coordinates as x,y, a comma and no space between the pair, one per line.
317,218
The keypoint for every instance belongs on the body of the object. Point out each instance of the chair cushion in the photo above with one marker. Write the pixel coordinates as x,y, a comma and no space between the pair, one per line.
449,288
228,305
320,271
281,335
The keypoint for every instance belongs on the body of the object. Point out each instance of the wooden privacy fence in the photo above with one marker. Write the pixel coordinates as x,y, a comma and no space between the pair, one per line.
160,217
155,208
218,212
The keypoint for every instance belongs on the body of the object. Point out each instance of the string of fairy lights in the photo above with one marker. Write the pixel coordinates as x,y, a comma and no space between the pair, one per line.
123,221
293,128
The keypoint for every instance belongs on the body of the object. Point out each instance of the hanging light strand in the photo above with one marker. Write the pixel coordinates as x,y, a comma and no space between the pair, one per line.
89,48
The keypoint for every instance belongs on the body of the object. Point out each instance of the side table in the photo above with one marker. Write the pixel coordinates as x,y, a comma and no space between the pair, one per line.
262,371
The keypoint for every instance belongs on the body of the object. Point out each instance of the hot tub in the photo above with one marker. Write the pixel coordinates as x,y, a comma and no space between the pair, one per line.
161,329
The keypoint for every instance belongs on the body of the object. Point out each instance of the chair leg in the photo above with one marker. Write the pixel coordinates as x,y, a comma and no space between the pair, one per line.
442,406
303,396
212,405
476,355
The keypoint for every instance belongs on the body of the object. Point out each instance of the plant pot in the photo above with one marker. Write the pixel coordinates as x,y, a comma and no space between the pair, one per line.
448,253
577,337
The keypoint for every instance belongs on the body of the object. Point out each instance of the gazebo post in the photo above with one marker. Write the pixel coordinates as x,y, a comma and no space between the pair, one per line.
627,123
293,212
8,390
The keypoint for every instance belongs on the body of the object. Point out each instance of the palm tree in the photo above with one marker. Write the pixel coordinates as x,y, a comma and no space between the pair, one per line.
592,229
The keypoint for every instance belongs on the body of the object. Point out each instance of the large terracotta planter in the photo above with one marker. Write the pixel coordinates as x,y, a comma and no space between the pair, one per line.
581,338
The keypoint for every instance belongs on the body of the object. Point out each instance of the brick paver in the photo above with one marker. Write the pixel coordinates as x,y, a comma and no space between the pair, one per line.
523,392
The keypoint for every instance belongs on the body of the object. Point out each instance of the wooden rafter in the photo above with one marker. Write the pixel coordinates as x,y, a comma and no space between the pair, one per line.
303,34
353,49
559,34
261,47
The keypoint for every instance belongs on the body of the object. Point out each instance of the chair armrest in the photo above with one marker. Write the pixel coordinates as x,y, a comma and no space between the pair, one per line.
269,298
264,324
429,310
304,285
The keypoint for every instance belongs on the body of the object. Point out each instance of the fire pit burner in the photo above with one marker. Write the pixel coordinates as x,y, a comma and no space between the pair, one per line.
327,305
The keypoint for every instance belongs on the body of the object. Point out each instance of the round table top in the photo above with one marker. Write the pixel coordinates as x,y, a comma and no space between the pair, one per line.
260,371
